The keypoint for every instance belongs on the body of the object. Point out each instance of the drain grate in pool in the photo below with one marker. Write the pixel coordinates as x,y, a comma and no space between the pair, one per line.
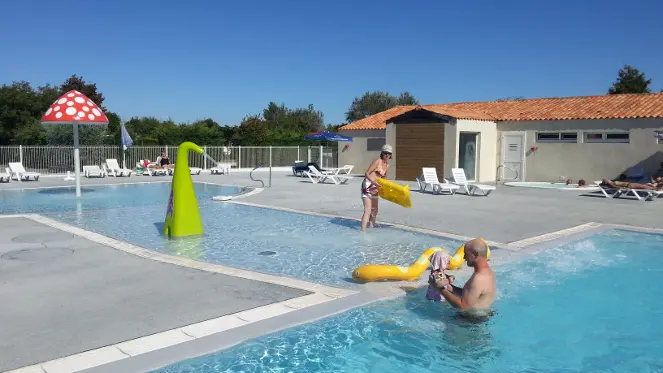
267,253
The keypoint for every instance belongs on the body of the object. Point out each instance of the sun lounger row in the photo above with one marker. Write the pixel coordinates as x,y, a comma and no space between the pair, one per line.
337,176
16,171
640,194
429,178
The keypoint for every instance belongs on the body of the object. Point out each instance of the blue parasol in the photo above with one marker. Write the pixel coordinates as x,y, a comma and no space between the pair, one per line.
326,136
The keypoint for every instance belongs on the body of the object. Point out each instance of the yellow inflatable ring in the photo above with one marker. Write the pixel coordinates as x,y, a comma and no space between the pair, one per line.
459,257
379,272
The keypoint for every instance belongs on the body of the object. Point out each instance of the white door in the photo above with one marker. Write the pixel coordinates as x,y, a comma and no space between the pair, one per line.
513,156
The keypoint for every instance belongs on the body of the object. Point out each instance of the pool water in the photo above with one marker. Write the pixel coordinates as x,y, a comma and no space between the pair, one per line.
313,248
105,197
588,306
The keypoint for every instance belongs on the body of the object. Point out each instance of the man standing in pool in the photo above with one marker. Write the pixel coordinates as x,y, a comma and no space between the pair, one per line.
478,294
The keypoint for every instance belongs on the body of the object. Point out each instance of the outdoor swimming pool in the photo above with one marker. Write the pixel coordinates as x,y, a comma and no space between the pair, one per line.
307,247
588,306
547,185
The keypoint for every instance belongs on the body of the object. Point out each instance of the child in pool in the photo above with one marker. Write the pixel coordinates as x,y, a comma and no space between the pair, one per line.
437,277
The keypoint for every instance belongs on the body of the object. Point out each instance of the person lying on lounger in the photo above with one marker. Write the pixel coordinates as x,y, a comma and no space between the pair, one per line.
624,184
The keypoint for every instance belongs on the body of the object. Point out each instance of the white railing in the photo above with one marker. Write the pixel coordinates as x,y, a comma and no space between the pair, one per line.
57,160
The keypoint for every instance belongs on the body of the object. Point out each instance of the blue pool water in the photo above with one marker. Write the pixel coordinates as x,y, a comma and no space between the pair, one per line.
589,306
308,247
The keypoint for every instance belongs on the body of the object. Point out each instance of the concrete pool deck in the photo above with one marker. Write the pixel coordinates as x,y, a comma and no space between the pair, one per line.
74,302
514,218
508,215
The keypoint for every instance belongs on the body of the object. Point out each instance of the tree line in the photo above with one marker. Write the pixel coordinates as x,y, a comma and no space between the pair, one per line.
22,106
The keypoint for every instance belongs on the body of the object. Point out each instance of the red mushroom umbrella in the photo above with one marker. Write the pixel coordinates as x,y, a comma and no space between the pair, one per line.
75,108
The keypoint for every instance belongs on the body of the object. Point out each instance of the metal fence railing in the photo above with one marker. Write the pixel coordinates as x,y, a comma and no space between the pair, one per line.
57,160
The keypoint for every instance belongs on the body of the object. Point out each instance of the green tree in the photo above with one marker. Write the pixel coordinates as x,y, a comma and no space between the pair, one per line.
375,102
89,89
63,134
252,131
630,80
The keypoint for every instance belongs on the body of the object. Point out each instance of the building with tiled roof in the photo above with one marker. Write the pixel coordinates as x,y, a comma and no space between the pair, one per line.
545,139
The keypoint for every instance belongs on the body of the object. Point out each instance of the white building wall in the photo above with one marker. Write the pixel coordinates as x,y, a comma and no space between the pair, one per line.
553,161
486,148
356,153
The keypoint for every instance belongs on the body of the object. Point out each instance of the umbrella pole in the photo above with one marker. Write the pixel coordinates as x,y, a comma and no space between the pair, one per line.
77,161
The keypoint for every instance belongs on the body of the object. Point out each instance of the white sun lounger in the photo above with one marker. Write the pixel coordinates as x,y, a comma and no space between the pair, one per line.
221,168
429,177
93,171
6,176
470,188
640,194
113,169
319,177
17,172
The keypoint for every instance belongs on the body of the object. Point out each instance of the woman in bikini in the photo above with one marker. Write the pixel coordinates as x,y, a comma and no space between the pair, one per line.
369,187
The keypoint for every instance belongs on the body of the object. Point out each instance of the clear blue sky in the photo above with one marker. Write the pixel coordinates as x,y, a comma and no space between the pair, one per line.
225,59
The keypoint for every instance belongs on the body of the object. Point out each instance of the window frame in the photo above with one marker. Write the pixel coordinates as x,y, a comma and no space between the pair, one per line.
379,148
604,137
560,137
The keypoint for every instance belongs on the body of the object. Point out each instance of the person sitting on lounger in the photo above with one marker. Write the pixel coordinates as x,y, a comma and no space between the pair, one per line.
624,184
163,161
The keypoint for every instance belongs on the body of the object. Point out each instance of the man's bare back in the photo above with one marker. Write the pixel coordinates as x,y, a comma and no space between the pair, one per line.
478,294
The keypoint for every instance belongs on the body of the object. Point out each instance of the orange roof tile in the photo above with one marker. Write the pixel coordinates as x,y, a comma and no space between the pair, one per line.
564,108
376,121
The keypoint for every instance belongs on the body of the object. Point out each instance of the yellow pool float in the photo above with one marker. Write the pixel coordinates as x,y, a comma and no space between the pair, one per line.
395,193
379,272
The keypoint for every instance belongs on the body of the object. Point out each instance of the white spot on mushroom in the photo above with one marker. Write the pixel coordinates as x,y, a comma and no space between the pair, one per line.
90,103
96,112
90,117
70,103
76,92
70,111
80,100
81,114
62,100
70,95
57,108
58,115
86,109
49,111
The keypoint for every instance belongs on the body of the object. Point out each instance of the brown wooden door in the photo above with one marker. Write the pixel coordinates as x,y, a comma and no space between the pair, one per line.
418,146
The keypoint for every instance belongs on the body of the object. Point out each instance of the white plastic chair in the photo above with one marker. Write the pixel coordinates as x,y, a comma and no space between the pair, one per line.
93,171
319,177
470,188
649,195
5,176
429,177
18,172
113,168
221,168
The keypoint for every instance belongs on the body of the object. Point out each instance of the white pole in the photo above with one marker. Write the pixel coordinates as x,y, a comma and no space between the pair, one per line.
77,161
